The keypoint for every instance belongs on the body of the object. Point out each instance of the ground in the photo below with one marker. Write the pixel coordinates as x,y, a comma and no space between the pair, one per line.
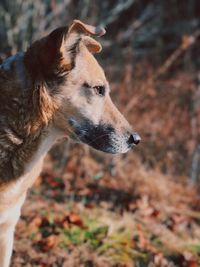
115,214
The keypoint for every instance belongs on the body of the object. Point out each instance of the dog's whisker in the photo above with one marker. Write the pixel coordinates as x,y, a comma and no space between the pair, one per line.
97,138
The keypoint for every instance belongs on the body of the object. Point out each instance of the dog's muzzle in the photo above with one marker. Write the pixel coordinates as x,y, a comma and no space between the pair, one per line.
103,137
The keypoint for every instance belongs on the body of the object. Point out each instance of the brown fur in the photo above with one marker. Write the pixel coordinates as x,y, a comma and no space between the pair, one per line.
55,89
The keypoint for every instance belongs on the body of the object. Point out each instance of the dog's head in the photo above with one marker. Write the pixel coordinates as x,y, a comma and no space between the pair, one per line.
72,76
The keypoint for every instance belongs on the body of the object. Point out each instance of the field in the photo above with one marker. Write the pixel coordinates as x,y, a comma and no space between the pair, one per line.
140,209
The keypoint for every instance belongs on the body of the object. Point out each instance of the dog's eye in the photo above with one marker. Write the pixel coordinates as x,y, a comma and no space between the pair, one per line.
86,85
100,90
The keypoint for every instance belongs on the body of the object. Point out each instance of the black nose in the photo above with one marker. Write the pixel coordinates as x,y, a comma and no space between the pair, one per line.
134,139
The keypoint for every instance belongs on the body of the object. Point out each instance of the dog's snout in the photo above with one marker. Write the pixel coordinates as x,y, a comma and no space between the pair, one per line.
134,139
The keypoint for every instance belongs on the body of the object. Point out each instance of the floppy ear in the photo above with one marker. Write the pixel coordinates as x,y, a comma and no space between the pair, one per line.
43,56
55,54
78,33
92,45
79,26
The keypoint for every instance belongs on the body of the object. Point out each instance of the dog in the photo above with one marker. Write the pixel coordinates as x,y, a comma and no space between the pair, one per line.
53,90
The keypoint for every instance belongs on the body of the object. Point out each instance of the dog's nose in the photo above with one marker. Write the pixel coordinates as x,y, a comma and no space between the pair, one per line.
134,139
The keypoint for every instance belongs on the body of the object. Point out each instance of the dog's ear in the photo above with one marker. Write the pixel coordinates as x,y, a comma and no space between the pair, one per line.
92,45
56,52
43,56
79,26
79,33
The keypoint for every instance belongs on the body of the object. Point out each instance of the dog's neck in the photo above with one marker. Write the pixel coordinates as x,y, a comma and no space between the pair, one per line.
28,154
46,140
24,136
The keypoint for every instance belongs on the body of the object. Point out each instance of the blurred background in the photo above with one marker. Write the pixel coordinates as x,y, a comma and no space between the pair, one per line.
138,209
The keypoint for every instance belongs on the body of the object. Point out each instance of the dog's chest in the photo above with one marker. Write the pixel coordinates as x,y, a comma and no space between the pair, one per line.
12,192
13,196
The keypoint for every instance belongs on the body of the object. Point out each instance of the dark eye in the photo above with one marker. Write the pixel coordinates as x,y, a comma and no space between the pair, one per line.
86,85
100,90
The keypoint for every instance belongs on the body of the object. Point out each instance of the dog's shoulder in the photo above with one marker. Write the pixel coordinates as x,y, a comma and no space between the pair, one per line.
10,100
15,117
12,81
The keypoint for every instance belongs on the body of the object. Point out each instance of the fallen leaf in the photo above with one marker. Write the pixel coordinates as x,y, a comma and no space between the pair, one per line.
48,243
